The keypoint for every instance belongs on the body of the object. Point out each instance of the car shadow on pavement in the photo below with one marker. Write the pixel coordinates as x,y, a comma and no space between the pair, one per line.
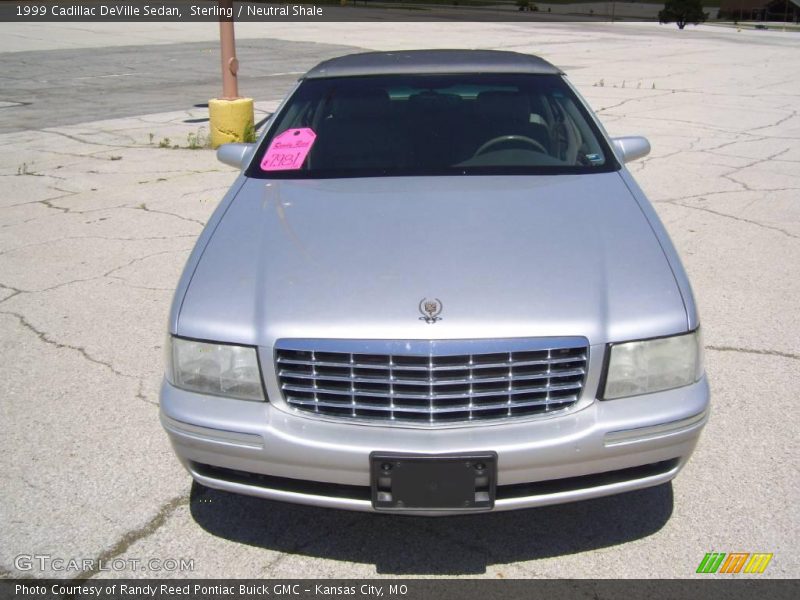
405,545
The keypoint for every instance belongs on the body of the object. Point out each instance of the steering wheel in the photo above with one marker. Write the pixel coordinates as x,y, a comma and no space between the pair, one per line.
510,138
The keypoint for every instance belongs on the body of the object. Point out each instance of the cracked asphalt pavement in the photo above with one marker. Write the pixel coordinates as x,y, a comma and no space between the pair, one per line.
97,219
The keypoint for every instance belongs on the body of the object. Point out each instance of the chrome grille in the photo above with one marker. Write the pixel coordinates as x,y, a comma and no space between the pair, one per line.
437,381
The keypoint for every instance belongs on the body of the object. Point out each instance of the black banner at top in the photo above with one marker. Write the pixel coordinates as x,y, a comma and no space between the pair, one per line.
32,11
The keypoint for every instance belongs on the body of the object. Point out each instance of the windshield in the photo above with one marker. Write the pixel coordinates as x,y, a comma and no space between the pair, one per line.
397,125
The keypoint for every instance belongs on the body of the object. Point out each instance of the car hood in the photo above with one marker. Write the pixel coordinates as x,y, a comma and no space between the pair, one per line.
524,256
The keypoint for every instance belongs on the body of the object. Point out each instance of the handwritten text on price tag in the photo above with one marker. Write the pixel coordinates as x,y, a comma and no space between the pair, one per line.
288,151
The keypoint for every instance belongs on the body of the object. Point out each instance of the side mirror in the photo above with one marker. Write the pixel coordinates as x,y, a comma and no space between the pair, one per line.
236,155
631,147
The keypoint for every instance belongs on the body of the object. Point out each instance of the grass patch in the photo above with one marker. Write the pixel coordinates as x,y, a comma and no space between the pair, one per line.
195,140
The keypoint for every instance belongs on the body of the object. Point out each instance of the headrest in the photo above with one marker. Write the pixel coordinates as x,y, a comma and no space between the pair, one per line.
362,104
504,106
432,102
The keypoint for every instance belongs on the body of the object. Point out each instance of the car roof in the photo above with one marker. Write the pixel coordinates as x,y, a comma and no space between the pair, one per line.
431,61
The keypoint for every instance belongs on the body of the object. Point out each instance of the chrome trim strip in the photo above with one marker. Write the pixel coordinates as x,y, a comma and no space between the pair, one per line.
356,365
432,395
421,382
500,504
586,493
432,347
641,434
207,434
424,410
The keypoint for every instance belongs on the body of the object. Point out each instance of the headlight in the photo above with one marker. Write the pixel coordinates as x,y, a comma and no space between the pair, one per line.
218,369
648,366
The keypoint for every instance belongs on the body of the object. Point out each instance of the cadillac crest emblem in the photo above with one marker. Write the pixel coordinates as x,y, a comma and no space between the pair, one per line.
430,310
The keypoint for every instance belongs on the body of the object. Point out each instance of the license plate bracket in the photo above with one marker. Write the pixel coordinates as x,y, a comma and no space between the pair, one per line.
433,481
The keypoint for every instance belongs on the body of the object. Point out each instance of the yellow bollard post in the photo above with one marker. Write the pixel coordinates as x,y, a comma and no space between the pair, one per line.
231,117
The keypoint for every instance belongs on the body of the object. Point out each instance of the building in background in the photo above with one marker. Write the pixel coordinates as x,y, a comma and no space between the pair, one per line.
760,10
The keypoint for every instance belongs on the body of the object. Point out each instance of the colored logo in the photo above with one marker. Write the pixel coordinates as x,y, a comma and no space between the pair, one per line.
734,562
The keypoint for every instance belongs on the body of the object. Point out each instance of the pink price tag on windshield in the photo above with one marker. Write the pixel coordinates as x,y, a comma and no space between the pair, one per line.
288,151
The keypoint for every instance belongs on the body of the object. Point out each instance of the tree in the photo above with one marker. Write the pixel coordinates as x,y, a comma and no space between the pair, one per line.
682,12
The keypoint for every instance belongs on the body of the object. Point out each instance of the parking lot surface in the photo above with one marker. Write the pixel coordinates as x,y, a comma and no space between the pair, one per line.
99,209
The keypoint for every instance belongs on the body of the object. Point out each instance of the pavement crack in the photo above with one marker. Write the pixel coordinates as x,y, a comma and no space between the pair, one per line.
107,275
6,574
734,143
754,351
133,262
735,218
143,206
629,100
780,121
90,155
49,204
729,176
179,175
133,239
9,297
127,284
140,393
131,537
48,340
93,237
14,292
75,138
206,190
705,195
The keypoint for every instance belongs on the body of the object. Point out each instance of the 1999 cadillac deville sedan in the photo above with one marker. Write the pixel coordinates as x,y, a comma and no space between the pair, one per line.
434,288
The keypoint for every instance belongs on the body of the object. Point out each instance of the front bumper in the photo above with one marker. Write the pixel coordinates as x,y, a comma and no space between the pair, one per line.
605,448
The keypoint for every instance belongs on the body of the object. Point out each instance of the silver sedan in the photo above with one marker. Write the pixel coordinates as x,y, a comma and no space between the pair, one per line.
434,288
